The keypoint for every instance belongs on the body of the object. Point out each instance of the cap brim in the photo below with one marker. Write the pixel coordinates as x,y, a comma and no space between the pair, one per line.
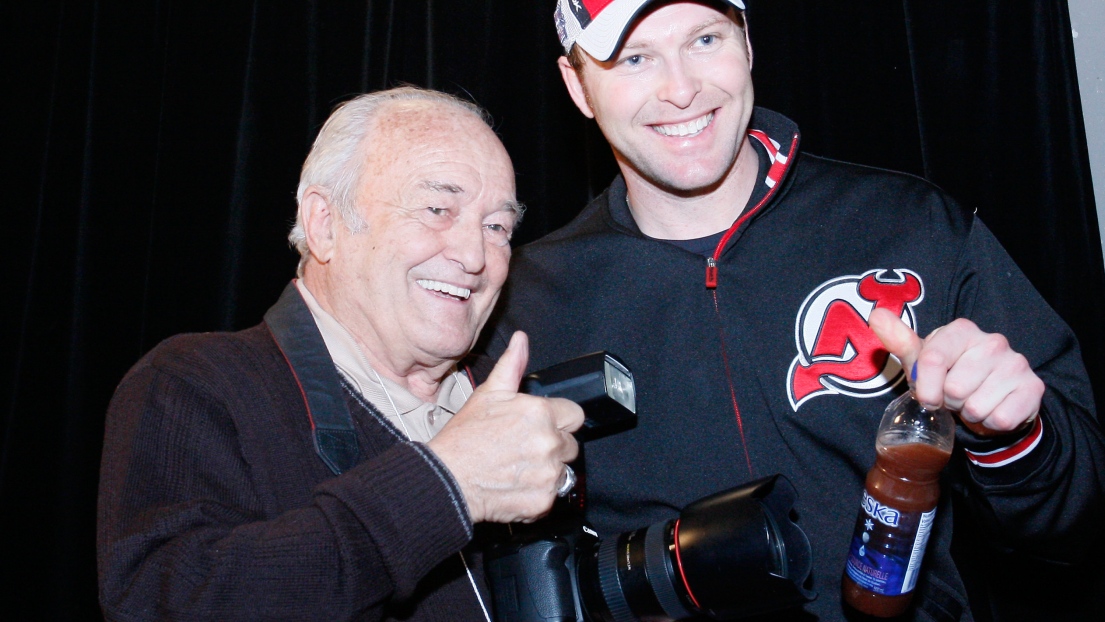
605,33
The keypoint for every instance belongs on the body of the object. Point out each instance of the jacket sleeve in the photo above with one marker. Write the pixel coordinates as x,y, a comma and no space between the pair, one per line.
491,345
1040,492
185,531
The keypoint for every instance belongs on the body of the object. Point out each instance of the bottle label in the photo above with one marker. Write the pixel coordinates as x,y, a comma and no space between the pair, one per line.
887,547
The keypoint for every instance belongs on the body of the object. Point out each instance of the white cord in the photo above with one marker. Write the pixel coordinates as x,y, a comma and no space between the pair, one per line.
467,570
398,415
471,579
475,589
460,385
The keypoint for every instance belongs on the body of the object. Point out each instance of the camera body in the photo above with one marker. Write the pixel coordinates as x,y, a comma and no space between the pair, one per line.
534,576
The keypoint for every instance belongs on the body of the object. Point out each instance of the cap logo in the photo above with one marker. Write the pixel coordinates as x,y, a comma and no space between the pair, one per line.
582,14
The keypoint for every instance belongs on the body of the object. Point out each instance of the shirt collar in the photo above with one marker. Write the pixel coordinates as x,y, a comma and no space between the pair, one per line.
387,395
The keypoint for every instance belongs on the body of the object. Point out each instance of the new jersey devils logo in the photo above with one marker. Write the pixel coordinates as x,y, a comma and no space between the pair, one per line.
837,351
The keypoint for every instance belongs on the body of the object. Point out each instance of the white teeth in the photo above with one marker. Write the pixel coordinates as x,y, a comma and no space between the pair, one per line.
689,128
445,288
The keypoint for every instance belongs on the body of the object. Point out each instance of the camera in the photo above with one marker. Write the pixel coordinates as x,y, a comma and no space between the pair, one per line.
727,556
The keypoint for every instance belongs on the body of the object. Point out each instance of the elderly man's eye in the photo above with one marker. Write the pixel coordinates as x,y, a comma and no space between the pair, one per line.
437,211
497,233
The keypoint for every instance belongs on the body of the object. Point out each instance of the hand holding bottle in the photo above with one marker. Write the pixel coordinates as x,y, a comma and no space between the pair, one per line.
962,368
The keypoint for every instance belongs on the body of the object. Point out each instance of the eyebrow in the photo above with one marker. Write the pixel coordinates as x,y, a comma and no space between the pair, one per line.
636,45
710,22
516,207
442,186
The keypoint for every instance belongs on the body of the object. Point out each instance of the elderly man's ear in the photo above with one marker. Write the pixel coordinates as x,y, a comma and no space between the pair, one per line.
319,220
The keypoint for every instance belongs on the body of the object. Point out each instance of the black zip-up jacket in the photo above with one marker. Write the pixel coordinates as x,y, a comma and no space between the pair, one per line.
758,359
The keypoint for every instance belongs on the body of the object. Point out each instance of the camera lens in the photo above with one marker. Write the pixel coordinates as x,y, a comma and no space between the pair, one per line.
728,556
636,577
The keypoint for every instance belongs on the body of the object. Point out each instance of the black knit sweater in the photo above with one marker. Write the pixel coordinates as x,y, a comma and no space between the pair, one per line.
215,505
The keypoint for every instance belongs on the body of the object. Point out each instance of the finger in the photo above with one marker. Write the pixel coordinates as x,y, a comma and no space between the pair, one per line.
898,338
567,416
966,381
1007,400
927,366
511,366
1015,412
952,350
569,449
985,372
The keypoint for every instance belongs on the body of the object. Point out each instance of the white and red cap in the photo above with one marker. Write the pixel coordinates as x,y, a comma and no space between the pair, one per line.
599,25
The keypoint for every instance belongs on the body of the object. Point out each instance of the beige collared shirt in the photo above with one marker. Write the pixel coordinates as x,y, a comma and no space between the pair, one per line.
419,420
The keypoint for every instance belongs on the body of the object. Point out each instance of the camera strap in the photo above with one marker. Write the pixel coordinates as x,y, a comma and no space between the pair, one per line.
293,328
296,334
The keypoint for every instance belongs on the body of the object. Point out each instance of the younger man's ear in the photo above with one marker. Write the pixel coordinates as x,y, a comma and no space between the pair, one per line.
575,87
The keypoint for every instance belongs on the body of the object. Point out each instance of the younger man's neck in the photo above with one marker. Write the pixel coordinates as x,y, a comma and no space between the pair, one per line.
664,215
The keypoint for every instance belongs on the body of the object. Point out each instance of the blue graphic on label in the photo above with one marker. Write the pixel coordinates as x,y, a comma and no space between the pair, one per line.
887,547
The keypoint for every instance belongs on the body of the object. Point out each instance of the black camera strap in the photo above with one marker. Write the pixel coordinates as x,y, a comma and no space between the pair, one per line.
296,334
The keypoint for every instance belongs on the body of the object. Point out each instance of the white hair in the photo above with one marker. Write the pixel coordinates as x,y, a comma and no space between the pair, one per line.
336,156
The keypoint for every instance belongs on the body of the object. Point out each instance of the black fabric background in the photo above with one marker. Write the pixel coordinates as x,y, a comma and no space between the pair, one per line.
152,148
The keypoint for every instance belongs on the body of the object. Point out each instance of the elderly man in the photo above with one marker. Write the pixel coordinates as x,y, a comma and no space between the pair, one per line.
330,463
744,282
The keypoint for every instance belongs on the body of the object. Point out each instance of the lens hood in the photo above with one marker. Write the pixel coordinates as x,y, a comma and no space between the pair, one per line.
739,552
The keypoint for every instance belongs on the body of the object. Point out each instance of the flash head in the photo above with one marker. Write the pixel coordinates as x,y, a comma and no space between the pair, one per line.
600,383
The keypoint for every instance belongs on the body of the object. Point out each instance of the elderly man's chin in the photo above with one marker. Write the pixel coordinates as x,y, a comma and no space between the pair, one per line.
449,343
449,332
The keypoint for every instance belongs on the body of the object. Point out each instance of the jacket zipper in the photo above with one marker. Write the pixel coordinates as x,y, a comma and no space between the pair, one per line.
774,176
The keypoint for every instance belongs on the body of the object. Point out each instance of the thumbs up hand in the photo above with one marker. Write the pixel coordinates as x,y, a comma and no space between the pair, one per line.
508,450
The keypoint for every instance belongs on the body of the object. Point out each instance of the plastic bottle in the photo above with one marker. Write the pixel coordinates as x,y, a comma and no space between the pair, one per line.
898,507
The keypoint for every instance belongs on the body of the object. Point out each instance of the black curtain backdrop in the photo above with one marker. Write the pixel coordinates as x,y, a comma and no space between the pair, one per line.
152,149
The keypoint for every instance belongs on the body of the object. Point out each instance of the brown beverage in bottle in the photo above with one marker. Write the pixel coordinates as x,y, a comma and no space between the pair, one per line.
896,514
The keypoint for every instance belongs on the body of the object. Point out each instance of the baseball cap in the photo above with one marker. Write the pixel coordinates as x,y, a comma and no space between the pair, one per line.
599,25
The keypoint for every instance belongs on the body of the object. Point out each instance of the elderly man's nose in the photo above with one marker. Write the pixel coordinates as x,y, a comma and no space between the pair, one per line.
466,246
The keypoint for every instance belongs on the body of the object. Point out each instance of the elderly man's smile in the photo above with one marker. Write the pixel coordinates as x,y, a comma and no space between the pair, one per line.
448,289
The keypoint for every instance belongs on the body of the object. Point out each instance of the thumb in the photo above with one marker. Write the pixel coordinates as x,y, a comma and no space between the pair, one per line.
898,338
508,371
